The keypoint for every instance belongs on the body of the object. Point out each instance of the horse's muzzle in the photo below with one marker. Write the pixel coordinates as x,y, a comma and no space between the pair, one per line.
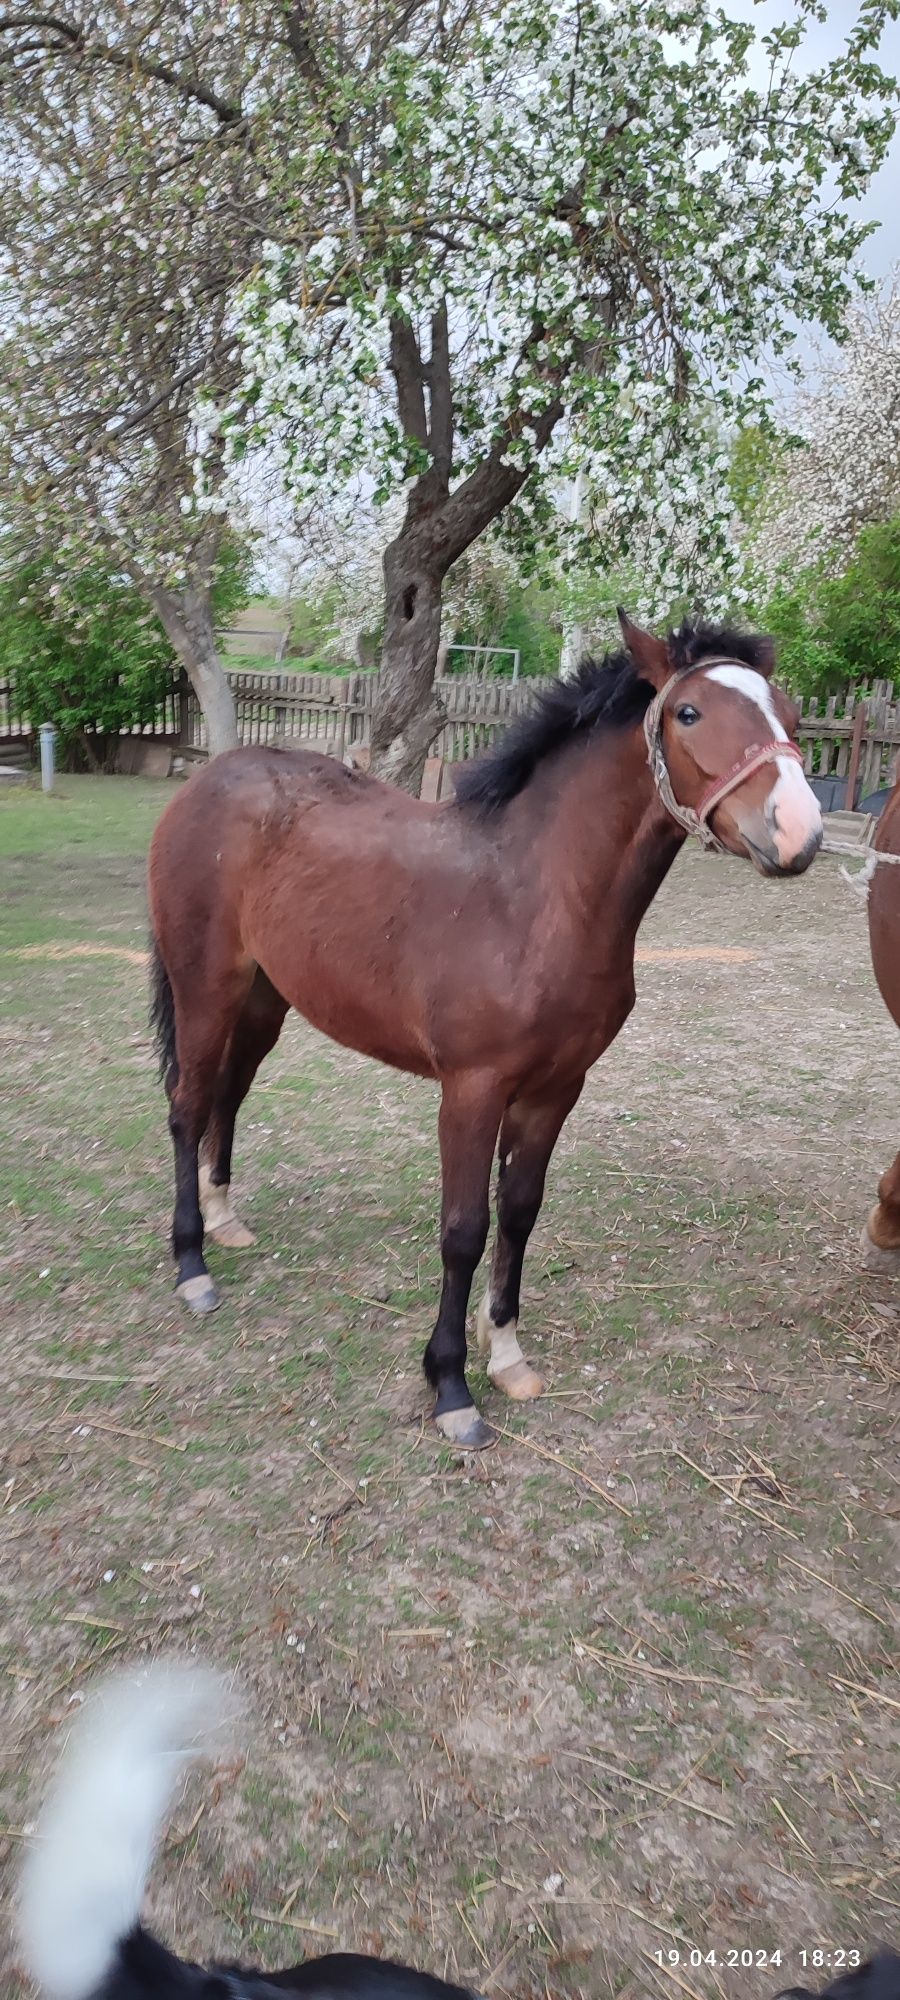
767,859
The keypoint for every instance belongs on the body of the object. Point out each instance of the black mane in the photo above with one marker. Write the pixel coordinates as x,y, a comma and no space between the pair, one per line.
608,694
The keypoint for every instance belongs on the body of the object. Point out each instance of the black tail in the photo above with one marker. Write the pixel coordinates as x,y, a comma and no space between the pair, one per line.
162,1015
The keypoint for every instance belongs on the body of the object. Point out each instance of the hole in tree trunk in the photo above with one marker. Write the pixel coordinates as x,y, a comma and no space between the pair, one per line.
409,600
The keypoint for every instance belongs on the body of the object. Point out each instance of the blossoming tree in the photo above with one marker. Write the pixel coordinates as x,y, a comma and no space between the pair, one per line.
473,252
125,219
843,474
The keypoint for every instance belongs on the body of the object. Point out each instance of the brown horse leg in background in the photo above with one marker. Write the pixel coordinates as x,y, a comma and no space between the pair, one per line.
220,1045
255,1033
530,1129
471,1110
881,1235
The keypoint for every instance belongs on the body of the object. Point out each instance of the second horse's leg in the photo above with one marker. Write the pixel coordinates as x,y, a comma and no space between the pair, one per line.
255,1033
881,1234
528,1135
471,1109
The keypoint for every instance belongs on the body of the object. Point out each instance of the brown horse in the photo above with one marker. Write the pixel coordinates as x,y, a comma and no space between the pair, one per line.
487,941
881,1234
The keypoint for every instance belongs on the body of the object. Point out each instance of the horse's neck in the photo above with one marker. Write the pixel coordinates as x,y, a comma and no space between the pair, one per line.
604,840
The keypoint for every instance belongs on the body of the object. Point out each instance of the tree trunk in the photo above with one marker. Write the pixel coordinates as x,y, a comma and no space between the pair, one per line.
441,522
186,619
407,717
572,650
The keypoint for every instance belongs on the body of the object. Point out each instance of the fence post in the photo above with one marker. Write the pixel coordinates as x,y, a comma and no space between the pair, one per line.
877,715
856,744
344,700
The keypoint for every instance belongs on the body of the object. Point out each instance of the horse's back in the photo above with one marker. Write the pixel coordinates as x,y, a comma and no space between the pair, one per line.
253,796
258,770
239,808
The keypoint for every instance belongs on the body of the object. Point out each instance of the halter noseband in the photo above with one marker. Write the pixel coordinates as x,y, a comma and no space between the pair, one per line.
696,819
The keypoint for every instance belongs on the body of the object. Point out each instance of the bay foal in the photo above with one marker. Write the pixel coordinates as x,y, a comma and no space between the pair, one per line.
487,941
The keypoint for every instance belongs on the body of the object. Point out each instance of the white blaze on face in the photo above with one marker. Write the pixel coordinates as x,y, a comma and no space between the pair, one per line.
793,809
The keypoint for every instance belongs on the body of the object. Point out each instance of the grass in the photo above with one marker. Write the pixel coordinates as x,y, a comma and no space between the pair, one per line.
432,1645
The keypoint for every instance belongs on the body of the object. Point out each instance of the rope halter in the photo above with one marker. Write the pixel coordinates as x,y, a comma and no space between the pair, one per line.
695,819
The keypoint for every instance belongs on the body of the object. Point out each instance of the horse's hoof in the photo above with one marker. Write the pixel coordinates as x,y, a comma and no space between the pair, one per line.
199,1294
232,1235
884,1263
465,1428
519,1381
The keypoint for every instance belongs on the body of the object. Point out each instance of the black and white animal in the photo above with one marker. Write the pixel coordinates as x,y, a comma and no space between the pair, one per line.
84,1880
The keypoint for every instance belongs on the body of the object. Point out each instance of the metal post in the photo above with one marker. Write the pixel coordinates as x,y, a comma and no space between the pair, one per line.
48,742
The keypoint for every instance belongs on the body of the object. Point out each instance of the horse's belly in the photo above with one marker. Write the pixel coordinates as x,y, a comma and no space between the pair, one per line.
379,1023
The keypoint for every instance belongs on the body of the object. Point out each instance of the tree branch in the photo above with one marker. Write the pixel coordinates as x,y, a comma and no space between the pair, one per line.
169,389
299,29
491,487
74,38
440,388
406,368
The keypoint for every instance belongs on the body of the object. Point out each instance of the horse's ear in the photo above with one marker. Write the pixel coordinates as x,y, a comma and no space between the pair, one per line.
650,655
764,661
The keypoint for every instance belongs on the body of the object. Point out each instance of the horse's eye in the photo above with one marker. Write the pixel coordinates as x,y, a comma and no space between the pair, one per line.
687,714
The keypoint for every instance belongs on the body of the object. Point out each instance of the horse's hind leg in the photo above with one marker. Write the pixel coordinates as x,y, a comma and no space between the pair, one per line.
471,1109
528,1135
202,1033
255,1033
881,1234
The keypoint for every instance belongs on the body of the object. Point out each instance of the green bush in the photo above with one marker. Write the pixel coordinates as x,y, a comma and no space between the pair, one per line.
101,665
83,651
834,629
526,624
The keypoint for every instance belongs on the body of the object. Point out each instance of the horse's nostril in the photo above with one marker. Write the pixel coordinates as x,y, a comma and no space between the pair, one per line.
799,862
807,853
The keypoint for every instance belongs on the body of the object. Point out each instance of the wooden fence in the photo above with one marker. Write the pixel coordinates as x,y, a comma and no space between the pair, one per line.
854,738
856,735
848,737
333,712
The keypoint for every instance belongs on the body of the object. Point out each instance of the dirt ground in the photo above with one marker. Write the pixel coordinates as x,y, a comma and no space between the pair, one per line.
561,1718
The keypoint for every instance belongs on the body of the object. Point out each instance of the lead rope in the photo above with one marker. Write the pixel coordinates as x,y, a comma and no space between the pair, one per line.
859,879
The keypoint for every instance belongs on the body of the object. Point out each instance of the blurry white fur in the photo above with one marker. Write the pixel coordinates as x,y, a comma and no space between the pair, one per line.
83,1882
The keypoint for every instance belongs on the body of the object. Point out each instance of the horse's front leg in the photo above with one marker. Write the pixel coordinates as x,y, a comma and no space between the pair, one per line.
530,1129
471,1110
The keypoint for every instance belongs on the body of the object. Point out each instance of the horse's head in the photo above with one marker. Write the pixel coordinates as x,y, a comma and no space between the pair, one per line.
721,738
